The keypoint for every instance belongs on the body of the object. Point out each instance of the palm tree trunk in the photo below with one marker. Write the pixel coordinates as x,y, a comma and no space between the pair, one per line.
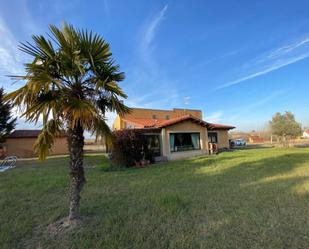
76,145
106,145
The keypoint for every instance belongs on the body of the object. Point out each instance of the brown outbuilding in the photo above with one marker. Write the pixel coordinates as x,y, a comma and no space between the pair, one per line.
20,143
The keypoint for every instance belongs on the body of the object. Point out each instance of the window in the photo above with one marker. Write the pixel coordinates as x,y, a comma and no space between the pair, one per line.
153,144
184,141
154,116
213,137
167,117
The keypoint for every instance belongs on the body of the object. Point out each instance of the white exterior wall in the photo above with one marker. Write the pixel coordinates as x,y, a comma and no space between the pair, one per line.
186,126
305,134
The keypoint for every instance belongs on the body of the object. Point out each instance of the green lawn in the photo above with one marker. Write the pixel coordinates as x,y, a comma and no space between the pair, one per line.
256,198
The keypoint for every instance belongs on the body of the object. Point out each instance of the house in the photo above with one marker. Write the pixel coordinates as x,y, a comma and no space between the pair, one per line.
20,143
306,133
256,139
176,133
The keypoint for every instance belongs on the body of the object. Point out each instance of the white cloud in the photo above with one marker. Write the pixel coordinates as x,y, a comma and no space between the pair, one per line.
150,86
214,117
249,108
274,60
107,13
11,58
163,96
287,48
271,68
146,45
106,7
10,62
152,27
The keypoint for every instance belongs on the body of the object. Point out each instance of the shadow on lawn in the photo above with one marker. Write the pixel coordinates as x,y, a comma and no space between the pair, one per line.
265,198
246,200
241,169
62,160
251,169
226,201
254,146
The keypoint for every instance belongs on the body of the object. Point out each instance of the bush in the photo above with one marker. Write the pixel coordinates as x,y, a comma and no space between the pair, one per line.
129,148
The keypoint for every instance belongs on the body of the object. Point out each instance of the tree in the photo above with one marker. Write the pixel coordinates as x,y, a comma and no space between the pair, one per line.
70,83
285,126
7,122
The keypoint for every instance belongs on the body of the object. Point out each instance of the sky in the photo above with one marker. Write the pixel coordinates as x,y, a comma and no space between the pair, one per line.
237,61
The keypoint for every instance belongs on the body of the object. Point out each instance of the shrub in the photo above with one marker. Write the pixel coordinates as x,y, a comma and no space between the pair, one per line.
129,148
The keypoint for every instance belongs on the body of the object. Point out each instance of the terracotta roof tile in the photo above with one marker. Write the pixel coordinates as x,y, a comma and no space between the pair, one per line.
144,122
220,126
160,123
183,118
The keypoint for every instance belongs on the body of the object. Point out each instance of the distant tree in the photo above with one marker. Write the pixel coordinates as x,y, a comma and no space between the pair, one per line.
285,126
7,122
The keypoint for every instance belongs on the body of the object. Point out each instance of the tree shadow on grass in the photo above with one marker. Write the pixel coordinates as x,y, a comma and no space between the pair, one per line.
62,161
265,199
254,146
233,200
266,167
243,200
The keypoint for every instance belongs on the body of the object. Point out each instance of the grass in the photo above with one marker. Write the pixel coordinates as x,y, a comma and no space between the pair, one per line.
257,198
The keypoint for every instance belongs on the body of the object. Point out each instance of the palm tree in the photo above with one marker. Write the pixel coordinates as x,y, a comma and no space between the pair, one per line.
70,83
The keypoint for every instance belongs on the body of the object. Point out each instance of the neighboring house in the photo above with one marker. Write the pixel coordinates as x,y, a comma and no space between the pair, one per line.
256,139
306,134
176,133
20,143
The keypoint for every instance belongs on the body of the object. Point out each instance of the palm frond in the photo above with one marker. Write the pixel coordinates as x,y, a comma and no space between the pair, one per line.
101,128
83,111
71,78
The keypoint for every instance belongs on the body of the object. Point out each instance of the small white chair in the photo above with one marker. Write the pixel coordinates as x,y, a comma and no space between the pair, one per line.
8,163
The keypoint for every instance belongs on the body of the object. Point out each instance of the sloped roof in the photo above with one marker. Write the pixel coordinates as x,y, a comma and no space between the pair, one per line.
161,123
28,134
220,126
181,119
144,122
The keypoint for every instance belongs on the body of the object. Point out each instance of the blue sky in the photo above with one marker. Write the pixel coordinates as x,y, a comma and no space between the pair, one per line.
238,61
